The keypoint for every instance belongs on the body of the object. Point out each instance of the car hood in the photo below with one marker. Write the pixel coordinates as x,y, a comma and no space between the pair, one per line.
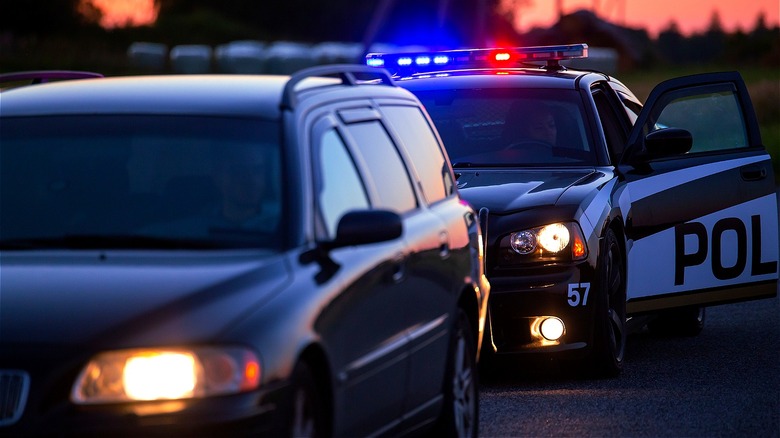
124,300
506,191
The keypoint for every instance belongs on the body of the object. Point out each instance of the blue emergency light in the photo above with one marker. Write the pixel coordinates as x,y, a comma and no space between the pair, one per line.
423,62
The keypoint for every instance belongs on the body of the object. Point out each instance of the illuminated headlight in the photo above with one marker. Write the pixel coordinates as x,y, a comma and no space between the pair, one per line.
553,242
523,242
554,238
551,328
166,374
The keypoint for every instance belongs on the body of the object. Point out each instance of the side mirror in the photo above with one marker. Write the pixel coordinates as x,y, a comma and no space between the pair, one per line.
358,227
366,226
666,142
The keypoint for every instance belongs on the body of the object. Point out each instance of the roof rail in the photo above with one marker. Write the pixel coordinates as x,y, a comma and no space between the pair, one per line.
42,76
350,74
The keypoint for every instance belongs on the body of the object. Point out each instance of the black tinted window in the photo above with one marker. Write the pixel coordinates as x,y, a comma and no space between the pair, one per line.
613,131
118,181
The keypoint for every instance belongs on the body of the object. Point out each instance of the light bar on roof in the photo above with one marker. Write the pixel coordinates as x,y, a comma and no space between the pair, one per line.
422,62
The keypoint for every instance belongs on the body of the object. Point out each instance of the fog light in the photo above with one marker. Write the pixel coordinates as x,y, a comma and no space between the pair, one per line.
551,328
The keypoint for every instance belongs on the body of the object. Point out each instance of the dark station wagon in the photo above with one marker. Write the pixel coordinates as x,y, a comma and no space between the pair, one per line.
229,255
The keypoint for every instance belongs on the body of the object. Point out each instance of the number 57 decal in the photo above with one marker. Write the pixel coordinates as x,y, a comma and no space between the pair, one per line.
577,292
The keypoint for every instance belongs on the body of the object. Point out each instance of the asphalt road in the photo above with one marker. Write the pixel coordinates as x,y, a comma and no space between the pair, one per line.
724,382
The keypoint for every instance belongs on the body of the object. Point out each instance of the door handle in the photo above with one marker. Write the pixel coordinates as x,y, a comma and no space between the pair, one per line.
444,245
753,173
444,251
399,272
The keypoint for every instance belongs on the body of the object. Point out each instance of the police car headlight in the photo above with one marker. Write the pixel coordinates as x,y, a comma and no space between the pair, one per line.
553,242
554,238
166,374
523,242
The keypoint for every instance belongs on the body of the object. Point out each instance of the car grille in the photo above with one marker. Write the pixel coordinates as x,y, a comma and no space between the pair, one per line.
14,386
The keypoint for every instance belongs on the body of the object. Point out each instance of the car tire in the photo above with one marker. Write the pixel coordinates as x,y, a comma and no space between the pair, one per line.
682,322
460,415
307,414
609,336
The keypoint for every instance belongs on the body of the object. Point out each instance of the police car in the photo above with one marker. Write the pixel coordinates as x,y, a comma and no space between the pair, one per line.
599,212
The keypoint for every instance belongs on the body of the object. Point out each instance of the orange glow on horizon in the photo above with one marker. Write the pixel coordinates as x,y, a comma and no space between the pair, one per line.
654,16
121,13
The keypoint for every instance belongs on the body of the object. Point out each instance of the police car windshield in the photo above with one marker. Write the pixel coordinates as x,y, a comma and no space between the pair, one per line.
511,127
130,181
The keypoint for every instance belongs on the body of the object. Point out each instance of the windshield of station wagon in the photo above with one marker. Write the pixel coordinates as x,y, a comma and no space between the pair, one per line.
497,127
139,182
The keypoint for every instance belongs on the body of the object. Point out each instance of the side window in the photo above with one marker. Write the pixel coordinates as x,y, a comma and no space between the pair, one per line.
712,114
423,148
385,166
613,129
340,188
632,109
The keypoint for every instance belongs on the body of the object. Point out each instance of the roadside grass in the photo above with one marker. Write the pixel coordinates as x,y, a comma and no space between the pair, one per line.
763,85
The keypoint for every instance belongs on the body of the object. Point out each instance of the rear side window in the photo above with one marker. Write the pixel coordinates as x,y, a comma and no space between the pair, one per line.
614,133
422,146
385,166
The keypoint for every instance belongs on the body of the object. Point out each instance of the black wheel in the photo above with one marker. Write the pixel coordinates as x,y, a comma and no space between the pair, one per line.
460,417
686,321
307,415
609,337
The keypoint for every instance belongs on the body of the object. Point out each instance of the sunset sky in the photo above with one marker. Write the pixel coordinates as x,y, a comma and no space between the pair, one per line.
655,15
118,13
690,15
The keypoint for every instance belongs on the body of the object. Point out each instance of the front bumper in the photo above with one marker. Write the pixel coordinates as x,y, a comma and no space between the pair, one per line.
249,414
520,298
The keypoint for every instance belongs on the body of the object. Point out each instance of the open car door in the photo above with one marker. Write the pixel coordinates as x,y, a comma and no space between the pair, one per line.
702,222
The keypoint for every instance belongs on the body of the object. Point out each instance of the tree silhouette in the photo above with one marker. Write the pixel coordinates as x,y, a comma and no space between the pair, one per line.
760,46
671,43
443,23
40,17
461,22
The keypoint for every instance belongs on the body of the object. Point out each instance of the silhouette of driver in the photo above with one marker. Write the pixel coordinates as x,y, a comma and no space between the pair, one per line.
240,175
541,126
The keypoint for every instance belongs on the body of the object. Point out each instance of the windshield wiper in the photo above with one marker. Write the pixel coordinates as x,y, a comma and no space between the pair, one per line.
462,164
465,164
103,241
